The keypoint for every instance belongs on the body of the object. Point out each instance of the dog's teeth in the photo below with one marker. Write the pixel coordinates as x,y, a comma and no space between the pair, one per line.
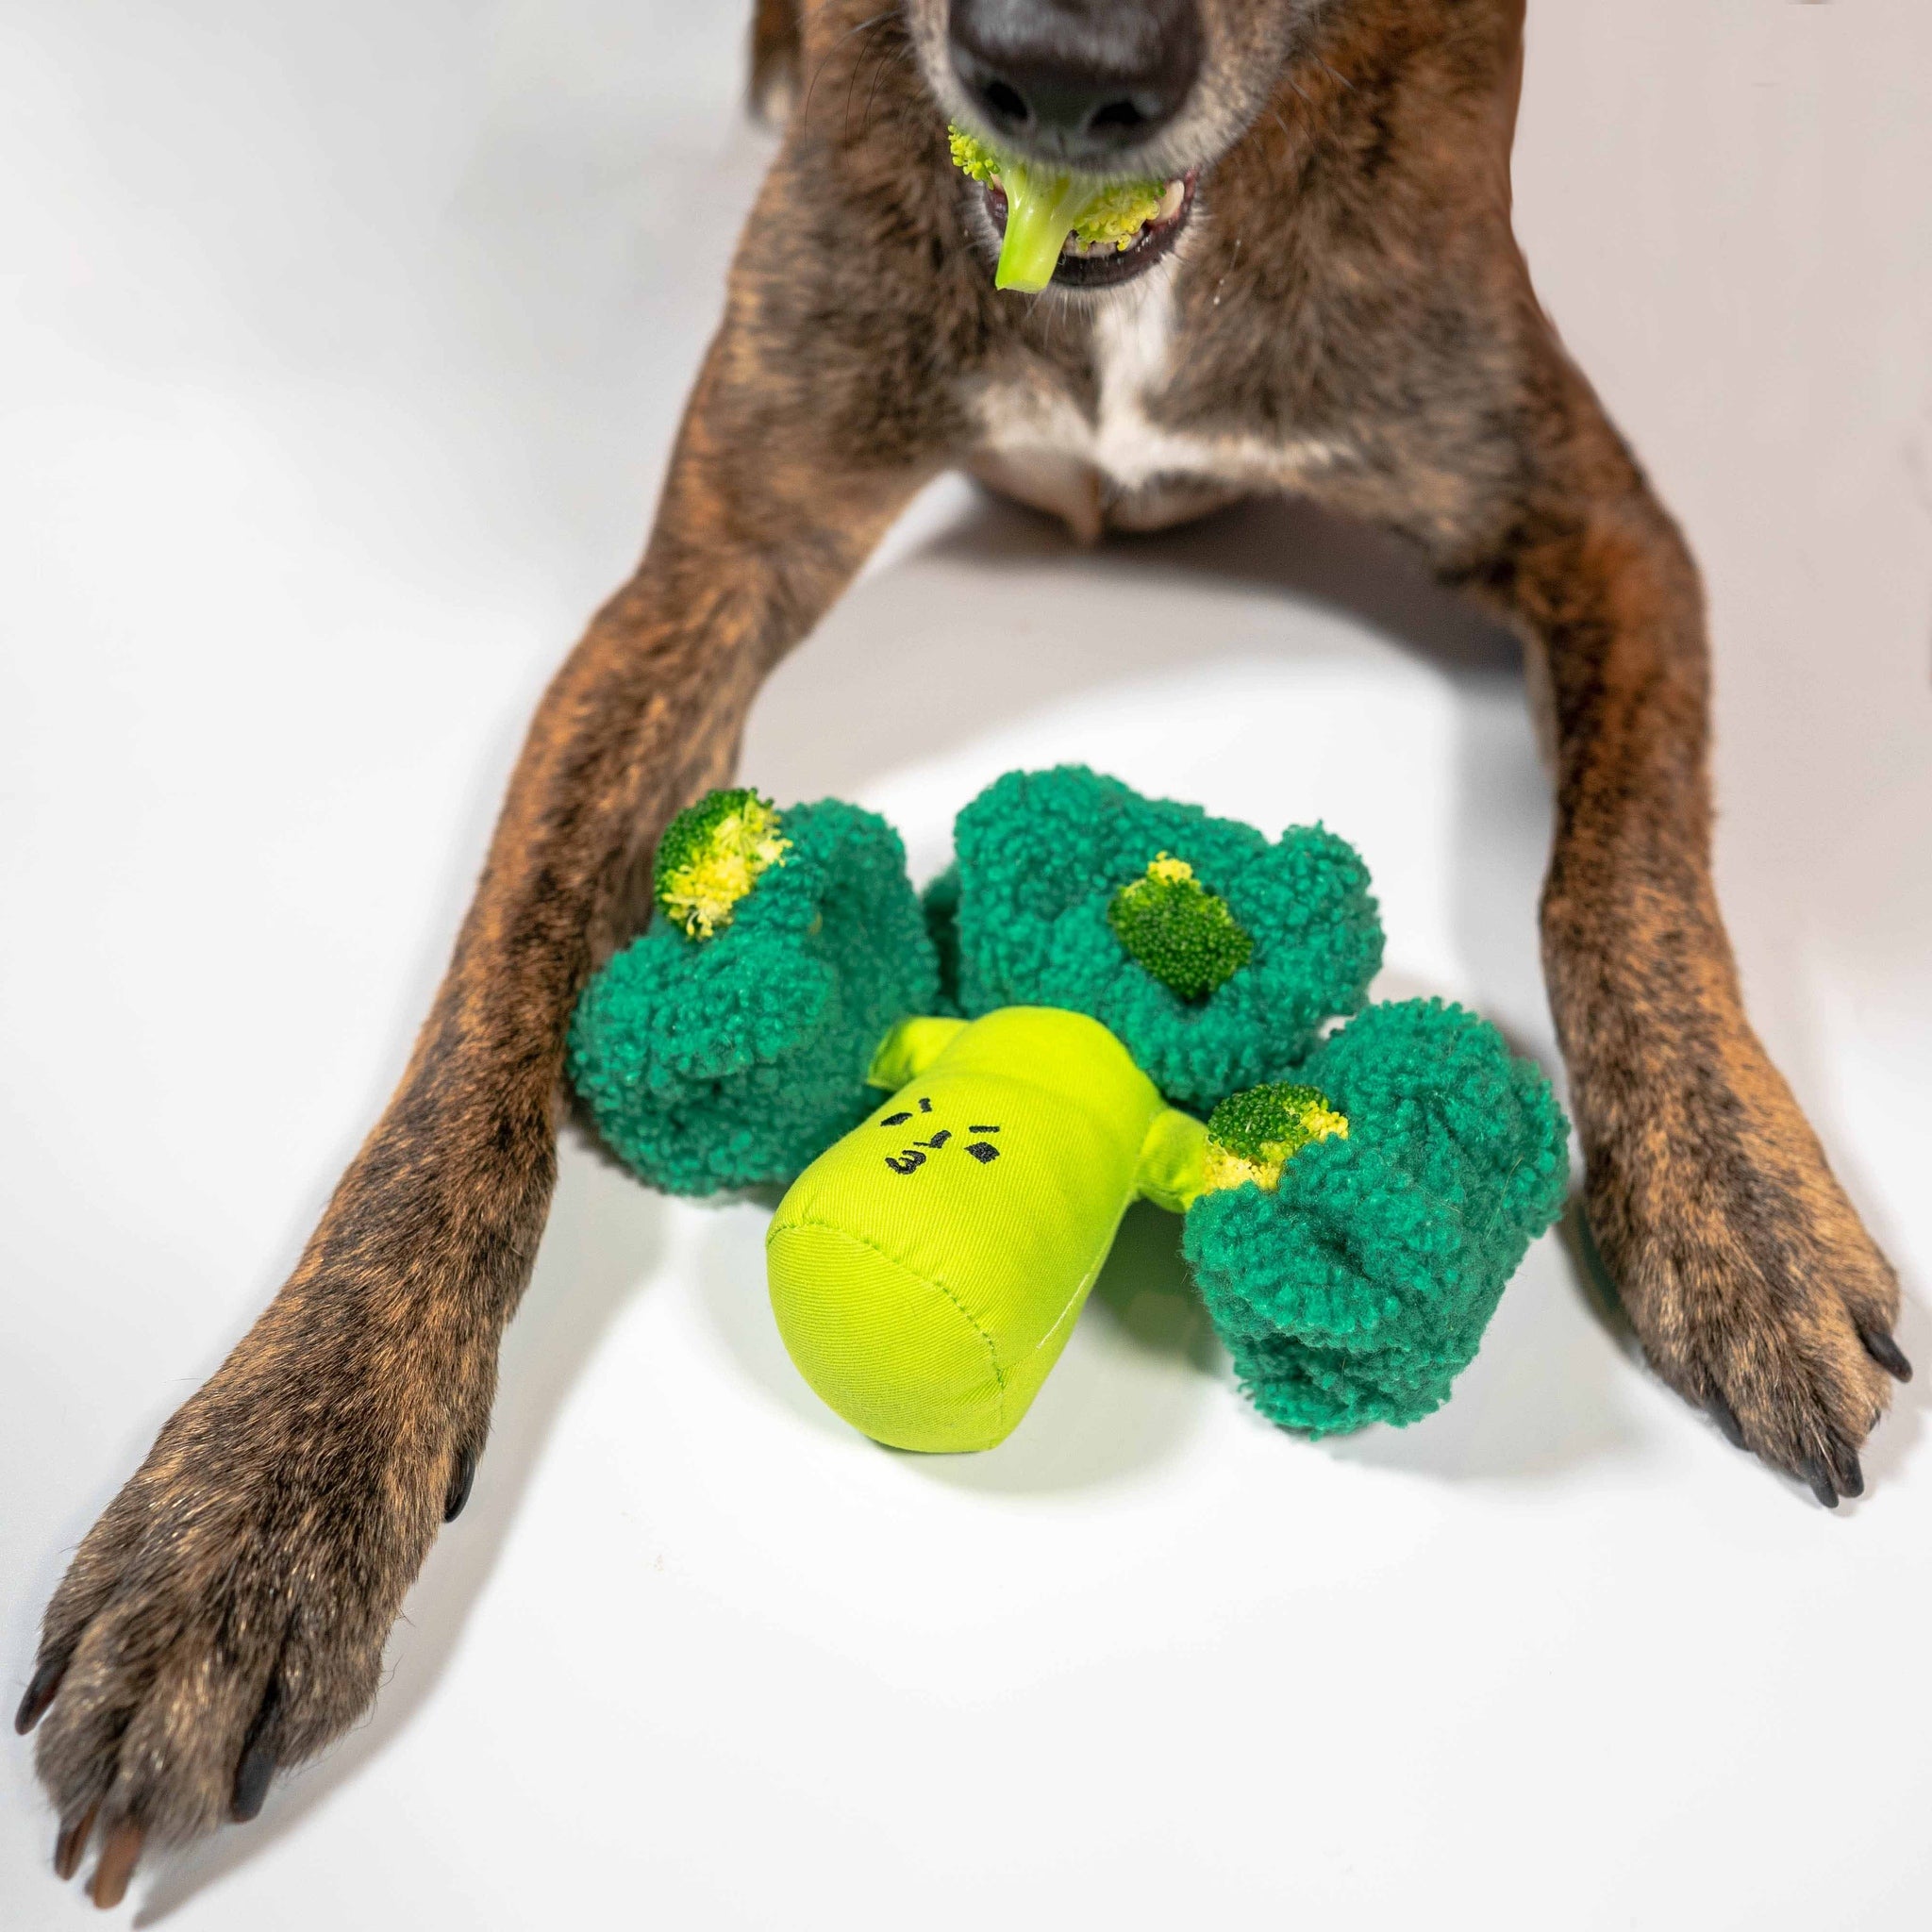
1171,201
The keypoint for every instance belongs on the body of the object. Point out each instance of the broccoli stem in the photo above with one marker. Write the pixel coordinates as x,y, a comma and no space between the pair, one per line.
1042,211
1045,205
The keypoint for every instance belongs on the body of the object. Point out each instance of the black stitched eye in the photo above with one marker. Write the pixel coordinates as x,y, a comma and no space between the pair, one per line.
982,1151
938,1140
895,1120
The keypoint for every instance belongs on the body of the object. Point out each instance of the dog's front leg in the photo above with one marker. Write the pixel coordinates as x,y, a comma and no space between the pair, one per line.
227,1613
1753,1287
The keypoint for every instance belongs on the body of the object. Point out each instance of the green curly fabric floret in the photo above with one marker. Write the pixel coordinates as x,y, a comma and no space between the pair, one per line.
1253,1135
941,904
1358,1290
1041,858
1045,208
1177,929
735,1063
711,857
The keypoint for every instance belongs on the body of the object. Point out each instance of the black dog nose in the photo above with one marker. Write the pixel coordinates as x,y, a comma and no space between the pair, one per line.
1079,80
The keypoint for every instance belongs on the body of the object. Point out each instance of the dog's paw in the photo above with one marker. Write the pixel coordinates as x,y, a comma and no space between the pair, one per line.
226,1615
1751,1282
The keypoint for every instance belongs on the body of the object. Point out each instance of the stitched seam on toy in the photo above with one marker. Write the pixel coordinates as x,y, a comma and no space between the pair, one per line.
992,1354
1080,1293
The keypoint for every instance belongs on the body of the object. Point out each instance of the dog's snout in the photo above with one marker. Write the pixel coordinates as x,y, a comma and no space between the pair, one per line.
1079,80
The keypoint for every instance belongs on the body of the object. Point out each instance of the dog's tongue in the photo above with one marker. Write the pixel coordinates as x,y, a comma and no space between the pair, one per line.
1042,211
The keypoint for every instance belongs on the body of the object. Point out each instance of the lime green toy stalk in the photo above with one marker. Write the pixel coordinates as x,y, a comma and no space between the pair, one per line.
927,1269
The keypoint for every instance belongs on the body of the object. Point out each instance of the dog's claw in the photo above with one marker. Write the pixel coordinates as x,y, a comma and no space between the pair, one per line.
72,1843
115,1866
40,1694
461,1481
1847,1478
256,1768
1886,1352
1813,1472
253,1776
1726,1416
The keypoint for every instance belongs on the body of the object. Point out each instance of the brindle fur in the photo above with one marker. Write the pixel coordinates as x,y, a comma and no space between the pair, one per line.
1350,279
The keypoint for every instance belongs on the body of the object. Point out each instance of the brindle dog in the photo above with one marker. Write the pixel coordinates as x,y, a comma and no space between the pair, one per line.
1337,308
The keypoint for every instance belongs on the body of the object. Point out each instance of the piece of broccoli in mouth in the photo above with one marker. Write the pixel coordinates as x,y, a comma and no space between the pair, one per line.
1251,1136
1183,934
712,854
1045,208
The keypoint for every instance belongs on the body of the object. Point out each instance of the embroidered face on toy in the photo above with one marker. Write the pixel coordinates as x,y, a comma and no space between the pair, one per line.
926,1281
1096,972
919,1117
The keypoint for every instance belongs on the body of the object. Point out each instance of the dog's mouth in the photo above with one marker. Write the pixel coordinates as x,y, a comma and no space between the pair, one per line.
1114,259
1078,230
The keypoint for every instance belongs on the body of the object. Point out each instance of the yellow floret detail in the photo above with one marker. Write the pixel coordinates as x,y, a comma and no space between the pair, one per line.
974,160
1251,1136
1120,212
711,856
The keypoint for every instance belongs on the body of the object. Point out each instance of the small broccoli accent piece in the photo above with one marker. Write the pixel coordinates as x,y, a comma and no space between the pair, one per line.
1043,208
1178,930
712,854
973,158
1119,211
1253,1136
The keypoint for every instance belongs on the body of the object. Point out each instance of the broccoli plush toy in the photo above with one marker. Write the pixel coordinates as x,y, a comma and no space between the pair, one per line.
1096,973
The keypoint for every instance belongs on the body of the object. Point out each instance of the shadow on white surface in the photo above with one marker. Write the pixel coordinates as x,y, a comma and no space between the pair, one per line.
1001,618
1136,1381
1542,1394
731,1291
910,676
1126,1392
606,1237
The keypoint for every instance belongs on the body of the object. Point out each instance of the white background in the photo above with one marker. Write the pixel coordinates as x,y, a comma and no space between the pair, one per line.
340,350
